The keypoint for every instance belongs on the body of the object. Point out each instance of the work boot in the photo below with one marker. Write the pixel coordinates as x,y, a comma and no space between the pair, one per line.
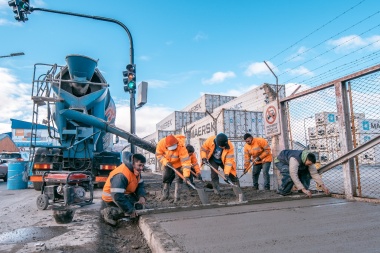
107,216
177,191
215,186
165,192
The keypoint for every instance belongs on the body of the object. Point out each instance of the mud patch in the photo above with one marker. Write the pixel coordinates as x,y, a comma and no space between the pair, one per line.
31,234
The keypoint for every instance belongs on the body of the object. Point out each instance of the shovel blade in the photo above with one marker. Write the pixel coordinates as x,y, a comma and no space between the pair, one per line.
203,196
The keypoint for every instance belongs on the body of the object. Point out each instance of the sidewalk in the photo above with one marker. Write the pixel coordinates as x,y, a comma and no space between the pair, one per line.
302,225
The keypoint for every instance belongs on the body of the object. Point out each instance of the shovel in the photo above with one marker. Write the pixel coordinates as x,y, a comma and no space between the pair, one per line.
238,192
250,166
201,192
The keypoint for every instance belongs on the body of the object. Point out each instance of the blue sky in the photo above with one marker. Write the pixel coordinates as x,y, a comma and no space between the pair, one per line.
184,49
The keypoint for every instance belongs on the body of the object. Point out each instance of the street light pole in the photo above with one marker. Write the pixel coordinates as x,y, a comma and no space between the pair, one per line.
304,127
12,54
132,93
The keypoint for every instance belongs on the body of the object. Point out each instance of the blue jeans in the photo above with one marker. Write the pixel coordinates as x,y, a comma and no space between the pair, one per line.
287,182
256,173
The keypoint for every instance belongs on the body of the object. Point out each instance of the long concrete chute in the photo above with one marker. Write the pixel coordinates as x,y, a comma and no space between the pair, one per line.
103,125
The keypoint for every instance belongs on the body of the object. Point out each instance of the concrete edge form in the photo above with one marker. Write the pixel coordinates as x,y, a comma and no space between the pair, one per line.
359,199
157,238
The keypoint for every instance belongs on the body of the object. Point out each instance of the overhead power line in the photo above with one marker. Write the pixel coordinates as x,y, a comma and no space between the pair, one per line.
316,30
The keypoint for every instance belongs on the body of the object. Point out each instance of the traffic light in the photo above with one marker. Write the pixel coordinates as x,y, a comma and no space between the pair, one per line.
20,9
130,80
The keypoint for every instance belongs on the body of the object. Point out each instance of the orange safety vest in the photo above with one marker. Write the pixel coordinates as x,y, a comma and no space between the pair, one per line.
133,182
258,148
178,157
194,163
228,155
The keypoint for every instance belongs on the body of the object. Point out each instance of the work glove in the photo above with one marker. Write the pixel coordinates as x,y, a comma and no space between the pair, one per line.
256,160
204,161
227,176
199,176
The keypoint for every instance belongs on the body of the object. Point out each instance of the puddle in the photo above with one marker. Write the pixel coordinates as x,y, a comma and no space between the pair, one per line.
25,235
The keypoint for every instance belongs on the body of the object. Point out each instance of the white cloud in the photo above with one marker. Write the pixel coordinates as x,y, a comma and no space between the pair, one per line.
219,77
259,68
297,56
15,100
146,118
375,41
348,42
168,43
300,71
157,83
144,58
200,36
5,22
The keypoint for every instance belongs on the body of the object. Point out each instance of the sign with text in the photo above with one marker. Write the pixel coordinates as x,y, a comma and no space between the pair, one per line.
271,119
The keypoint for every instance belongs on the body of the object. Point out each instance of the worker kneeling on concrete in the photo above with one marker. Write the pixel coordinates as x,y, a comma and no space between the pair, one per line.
194,164
171,151
219,152
124,190
297,167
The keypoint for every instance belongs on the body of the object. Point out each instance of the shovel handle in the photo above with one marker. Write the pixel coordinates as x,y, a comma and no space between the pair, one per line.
181,176
246,171
220,174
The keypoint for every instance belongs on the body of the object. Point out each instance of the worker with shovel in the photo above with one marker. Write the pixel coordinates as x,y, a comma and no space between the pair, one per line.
124,190
172,154
218,151
257,150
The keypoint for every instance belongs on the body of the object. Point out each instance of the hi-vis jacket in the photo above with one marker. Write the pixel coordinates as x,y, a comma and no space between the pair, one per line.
122,181
194,163
178,157
228,157
258,148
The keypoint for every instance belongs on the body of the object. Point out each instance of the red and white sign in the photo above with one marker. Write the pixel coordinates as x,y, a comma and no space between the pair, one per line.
271,119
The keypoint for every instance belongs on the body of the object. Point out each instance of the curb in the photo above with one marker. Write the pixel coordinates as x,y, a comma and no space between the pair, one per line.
158,240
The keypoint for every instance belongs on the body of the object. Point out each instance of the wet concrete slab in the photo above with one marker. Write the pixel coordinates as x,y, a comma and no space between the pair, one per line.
306,225
30,234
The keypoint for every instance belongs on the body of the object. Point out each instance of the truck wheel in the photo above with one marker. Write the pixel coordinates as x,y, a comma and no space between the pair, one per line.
5,178
42,202
100,185
37,186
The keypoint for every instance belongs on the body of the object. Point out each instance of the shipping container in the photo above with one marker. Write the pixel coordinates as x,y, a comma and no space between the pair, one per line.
321,131
178,119
312,131
368,126
253,100
207,102
323,118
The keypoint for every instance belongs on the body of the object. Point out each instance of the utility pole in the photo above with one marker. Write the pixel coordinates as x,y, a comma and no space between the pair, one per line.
23,9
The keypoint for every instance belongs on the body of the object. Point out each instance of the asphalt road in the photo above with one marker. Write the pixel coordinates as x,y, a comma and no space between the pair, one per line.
307,225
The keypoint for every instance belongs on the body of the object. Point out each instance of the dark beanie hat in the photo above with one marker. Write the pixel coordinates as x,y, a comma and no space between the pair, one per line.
190,149
222,140
247,135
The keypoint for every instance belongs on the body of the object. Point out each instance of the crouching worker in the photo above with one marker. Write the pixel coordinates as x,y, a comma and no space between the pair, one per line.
124,190
297,167
194,164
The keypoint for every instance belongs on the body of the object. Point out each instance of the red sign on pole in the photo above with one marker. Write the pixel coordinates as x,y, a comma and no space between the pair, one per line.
271,122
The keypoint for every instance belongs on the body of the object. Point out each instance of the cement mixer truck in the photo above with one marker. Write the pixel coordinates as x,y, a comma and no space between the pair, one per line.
80,115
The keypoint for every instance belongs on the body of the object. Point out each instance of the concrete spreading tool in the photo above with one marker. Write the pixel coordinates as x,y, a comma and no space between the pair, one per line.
238,192
201,192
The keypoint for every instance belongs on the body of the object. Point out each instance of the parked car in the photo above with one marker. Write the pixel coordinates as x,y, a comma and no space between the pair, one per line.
3,170
6,157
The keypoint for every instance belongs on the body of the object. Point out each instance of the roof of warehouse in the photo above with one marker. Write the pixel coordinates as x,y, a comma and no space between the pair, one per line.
19,124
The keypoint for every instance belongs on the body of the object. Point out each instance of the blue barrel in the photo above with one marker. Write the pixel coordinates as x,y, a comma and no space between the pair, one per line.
17,175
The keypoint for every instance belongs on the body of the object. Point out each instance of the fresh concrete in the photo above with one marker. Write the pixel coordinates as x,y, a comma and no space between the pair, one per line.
307,225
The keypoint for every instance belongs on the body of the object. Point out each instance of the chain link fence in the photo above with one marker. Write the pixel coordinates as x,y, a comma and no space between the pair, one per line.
313,122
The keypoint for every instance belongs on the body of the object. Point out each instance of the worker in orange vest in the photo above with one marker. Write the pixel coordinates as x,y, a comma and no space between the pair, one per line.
259,152
171,151
219,152
124,189
194,163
